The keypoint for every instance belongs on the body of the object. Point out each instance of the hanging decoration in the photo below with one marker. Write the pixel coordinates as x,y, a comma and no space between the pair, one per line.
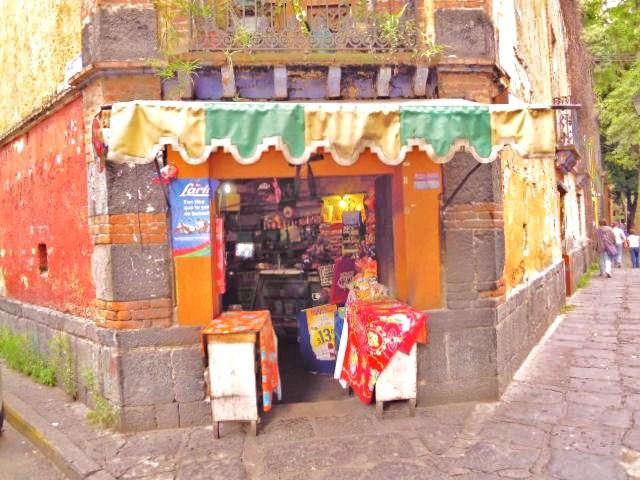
98,142
166,174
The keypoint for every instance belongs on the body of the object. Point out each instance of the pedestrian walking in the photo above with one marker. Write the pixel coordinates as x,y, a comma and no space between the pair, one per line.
623,226
621,238
606,247
634,248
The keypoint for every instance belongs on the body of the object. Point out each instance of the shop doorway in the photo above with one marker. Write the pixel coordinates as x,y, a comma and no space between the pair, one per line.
292,244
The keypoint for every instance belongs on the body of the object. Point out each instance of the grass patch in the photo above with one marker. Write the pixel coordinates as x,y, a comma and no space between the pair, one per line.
64,364
103,413
20,354
594,268
567,308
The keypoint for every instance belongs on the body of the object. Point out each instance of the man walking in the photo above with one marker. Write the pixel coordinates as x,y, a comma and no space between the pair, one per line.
634,248
606,247
620,239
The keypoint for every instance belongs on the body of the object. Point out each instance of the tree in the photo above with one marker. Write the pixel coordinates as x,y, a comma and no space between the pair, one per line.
613,35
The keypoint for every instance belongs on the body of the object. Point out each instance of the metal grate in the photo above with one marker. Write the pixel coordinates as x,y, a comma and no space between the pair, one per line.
357,25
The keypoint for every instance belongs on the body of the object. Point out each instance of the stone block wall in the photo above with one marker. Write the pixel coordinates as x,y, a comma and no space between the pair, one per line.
524,317
481,336
460,361
154,376
131,262
464,32
473,234
116,30
579,261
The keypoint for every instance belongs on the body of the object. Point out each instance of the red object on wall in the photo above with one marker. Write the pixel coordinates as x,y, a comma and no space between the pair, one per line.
43,204
221,284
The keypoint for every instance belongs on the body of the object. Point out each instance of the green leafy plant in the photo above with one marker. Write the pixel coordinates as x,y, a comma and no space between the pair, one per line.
21,355
611,32
172,40
427,49
583,281
103,413
242,37
390,26
567,308
64,363
301,16
361,9
171,69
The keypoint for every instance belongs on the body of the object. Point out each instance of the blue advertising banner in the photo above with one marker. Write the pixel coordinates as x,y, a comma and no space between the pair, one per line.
190,200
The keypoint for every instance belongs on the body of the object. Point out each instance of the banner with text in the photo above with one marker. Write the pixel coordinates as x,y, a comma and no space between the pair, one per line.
190,200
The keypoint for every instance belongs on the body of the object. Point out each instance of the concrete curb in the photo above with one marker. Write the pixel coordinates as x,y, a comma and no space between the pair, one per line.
54,444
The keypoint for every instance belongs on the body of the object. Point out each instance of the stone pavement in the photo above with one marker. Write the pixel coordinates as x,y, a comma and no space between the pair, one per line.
20,459
573,412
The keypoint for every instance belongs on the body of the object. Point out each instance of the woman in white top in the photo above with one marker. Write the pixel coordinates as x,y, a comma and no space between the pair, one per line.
634,248
620,239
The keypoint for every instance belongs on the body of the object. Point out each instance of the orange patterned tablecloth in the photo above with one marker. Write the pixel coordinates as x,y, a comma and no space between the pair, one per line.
260,323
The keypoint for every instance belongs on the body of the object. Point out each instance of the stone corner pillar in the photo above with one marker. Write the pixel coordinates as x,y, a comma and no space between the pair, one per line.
460,361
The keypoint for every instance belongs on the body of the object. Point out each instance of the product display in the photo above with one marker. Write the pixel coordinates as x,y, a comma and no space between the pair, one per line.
285,253
301,256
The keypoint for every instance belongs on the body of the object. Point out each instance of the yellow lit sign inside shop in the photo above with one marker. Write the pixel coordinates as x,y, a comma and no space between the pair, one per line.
334,206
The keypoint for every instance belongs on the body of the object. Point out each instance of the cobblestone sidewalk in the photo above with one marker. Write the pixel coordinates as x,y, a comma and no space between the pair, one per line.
573,412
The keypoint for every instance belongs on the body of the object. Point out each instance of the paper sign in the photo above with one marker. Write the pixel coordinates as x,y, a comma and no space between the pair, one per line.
320,321
426,181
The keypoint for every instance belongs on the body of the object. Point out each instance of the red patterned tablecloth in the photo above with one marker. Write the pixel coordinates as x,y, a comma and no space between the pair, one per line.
258,322
377,329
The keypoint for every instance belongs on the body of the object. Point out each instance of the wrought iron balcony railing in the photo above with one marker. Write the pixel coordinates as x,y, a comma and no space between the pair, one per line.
565,121
306,25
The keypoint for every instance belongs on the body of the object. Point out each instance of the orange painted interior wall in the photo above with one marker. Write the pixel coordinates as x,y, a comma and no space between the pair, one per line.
415,221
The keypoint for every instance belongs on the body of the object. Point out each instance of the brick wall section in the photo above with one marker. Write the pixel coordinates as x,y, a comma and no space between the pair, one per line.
474,216
154,312
145,228
127,299
462,3
478,87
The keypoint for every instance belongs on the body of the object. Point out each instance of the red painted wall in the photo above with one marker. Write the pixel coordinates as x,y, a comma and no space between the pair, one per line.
43,199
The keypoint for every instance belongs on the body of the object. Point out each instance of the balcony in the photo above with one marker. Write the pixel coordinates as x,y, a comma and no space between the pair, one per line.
306,25
567,153
565,121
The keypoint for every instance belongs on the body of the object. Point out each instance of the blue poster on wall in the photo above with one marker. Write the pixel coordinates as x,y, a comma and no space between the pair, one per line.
190,200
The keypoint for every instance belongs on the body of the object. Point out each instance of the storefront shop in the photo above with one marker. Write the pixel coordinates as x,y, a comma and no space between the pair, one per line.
278,206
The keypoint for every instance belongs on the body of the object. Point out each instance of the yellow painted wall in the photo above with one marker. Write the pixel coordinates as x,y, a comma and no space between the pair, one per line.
526,50
37,39
531,226
575,227
415,218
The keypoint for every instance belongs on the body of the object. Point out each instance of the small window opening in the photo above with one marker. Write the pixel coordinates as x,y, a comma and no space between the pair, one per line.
43,260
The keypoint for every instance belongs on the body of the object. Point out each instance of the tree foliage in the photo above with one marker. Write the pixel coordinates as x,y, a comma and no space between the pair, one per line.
612,32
